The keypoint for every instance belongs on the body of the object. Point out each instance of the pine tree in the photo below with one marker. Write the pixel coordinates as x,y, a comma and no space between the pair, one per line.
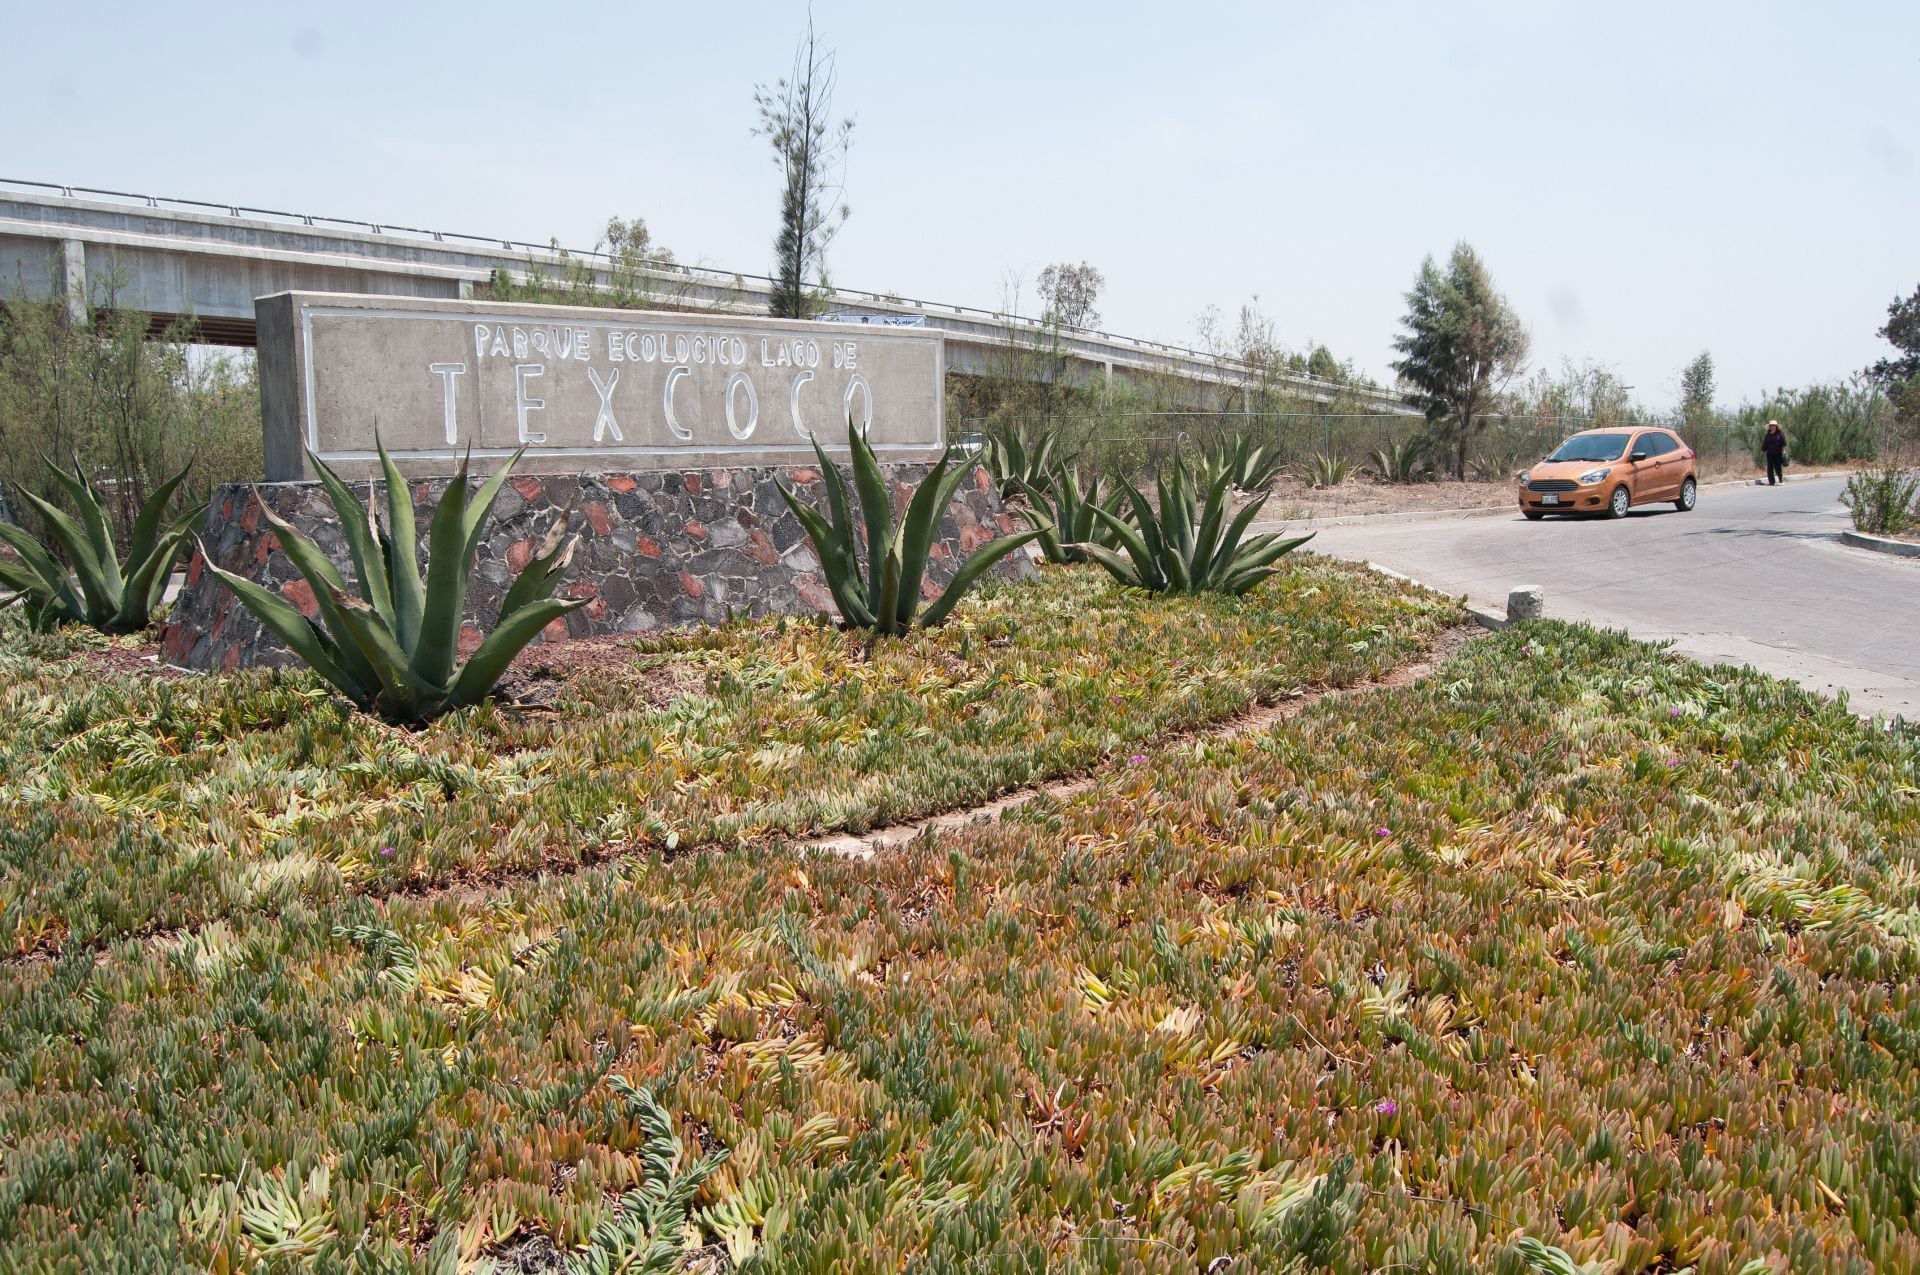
1696,391
1462,343
809,148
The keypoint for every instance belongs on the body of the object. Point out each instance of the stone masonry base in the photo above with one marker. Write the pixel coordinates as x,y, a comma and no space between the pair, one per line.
657,549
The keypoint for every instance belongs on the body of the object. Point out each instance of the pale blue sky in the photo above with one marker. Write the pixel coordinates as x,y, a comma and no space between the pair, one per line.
1644,181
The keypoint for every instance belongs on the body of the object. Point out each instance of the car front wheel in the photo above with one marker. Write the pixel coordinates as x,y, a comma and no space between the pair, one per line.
1689,494
1619,503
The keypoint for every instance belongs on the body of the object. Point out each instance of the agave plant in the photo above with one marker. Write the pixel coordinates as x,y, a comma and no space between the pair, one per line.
1187,547
393,648
1402,461
1327,471
885,597
100,590
1063,513
1250,465
1495,466
1018,457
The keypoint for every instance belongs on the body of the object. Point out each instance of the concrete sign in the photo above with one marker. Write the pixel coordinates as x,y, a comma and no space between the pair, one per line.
584,390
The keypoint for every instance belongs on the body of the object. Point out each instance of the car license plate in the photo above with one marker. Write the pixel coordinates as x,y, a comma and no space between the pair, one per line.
1549,500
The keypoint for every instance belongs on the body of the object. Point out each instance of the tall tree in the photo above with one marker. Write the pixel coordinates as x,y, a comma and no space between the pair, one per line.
1069,295
810,150
1696,391
1902,330
1462,343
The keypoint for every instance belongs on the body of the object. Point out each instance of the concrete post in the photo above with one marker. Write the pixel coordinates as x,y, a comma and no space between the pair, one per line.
1525,602
73,279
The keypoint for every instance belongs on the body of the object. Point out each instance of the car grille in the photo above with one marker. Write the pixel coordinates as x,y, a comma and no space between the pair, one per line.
1552,484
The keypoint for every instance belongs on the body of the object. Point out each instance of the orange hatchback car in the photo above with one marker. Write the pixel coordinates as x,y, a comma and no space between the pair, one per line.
1609,471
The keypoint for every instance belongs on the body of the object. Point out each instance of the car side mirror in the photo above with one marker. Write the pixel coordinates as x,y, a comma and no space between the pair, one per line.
1638,456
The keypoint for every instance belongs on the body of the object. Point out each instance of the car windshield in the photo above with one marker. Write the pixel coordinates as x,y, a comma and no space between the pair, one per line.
1591,447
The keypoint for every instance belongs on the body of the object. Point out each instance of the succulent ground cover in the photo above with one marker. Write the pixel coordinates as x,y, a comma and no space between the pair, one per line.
1572,946
132,804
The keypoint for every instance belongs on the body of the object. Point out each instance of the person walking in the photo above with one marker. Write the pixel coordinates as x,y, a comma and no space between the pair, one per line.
1775,446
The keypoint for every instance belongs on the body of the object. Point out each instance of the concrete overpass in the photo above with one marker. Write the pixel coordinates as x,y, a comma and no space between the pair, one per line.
173,258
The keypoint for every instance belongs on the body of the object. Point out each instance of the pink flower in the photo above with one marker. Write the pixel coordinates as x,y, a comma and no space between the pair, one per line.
386,852
1383,832
1138,759
1386,1107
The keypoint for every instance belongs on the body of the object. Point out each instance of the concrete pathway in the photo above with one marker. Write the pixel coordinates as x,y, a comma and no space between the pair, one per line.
1755,575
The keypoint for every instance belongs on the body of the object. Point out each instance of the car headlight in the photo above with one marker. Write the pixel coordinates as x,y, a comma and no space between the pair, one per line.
1593,476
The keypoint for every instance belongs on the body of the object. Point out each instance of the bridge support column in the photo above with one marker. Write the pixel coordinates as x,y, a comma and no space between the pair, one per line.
73,279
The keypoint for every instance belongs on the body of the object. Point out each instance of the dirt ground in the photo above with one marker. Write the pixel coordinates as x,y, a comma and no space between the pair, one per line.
1293,500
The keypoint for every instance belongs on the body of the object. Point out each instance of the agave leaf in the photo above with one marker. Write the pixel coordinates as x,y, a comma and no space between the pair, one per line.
1122,569
434,653
876,509
146,527
887,609
1179,576
1230,543
317,567
93,518
836,494
403,564
20,578
480,504
1051,545
1268,549
1176,515
145,584
1201,559
1240,581
403,692
837,561
325,580
537,578
164,556
918,530
972,569
319,651
53,578
100,599
363,542
1140,545
478,676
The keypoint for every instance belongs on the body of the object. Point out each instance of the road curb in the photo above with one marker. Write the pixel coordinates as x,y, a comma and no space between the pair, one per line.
1880,544
1485,618
1790,478
1398,515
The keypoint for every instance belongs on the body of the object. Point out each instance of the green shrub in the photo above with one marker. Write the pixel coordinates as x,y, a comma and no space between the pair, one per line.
132,407
101,590
1181,547
1884,500
1018,457
1250,466
393,649
1824,423
1402,461
1327,471
1064,515
886,596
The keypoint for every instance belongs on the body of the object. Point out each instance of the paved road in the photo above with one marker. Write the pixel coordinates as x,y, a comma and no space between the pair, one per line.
1755,575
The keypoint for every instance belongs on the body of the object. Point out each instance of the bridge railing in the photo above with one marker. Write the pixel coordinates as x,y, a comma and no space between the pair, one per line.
553,252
